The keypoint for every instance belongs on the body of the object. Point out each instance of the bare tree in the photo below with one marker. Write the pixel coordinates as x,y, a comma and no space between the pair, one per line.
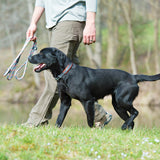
13,23
127,9
147,59
156,9
6,25
11,42
112,9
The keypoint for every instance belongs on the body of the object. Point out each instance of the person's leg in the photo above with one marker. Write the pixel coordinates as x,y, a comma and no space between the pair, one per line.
68,44
102,117
38,112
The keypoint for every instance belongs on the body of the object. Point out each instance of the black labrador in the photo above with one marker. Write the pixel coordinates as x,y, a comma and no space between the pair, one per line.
88,85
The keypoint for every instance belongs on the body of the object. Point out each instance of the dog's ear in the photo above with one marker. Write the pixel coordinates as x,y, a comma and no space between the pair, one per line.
54,50
61,57
59,54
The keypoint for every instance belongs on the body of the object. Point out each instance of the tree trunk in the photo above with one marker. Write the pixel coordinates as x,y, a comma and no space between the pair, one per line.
147,59
127,13
156,34
98,45
112,35
11,41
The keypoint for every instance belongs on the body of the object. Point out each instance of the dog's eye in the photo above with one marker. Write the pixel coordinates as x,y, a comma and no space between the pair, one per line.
42,55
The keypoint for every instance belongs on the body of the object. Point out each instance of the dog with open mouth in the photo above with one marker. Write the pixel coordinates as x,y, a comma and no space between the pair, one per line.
89,85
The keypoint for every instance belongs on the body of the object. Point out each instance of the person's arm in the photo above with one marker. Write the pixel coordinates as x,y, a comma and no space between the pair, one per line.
89,33
38,11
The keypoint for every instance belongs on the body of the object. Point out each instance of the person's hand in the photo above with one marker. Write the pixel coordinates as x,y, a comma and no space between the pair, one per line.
89,32
31,31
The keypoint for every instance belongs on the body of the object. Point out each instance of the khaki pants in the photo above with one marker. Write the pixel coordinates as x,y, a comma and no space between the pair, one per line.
66,36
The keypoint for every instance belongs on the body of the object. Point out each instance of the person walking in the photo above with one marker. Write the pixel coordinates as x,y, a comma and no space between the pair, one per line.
69,22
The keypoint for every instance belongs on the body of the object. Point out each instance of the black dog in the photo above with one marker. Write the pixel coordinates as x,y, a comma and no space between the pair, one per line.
88,85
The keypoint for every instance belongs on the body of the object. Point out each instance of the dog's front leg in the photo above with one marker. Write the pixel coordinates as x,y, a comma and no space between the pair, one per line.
89,109
65,105
63,111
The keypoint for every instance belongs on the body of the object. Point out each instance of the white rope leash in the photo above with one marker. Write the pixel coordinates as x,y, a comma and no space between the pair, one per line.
11,71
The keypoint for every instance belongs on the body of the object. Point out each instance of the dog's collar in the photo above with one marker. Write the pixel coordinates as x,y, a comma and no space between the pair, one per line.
65,71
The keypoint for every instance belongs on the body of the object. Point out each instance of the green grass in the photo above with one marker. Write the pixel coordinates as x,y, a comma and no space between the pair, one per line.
78,143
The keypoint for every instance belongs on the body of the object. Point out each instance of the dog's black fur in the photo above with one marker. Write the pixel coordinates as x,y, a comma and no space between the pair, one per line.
88,85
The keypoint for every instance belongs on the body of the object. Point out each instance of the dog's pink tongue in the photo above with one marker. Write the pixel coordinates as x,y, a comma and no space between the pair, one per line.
40,66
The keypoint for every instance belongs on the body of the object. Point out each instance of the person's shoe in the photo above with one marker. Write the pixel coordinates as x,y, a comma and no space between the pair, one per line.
44,123
31,125
104,121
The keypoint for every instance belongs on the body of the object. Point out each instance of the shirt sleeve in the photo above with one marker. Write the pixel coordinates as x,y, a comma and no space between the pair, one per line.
39,3
91,5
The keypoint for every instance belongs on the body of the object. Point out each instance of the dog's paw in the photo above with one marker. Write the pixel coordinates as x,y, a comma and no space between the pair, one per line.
124,126
57,125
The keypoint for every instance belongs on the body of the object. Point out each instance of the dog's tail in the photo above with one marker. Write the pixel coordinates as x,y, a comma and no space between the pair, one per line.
141,78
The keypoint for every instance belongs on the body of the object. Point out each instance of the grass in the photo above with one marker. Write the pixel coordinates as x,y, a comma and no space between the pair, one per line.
78,143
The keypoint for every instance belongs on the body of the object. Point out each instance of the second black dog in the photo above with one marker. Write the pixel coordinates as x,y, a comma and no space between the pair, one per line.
88,85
